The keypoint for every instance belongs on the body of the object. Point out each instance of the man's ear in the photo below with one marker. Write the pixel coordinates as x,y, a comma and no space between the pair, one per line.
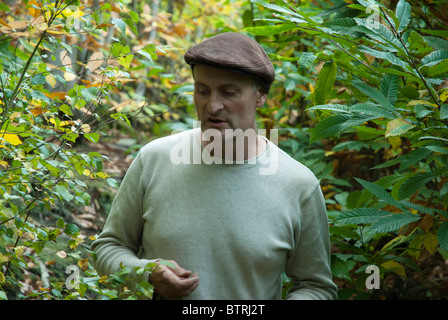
261,97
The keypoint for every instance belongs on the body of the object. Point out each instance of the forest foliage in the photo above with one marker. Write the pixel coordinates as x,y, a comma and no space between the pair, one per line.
360,97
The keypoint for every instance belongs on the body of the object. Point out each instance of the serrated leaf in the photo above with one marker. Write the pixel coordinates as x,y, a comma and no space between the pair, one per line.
438,69
306,61
394,221
434,57
275,7
271,30
325,82
442,235
373,110
380,193
361,216
415,182
328,127
403,13
375,95
389,87
398,127
332,107
387,56
444,111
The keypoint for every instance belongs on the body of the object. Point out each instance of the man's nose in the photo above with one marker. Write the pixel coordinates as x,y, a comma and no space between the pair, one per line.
214,103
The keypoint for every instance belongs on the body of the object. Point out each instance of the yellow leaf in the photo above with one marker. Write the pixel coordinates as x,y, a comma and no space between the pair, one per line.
33,11
414,102
4,164
11,138
394,267
69,76
85,128
397,127
83,264
14,115
430,242
51,80
444,96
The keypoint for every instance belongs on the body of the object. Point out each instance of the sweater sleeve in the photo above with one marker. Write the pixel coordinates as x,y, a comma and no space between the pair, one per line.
308,265
120,240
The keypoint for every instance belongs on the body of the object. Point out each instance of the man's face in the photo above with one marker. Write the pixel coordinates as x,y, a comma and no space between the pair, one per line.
225,99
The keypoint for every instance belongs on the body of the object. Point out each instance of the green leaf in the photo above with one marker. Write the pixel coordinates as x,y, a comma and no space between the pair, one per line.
444,111
306,61
332,107
64,193
71,229
418,44
120,24
271,30
325,82
403,13
380,193
276,8
121,116
438,69
328,127
376,96
373,110
341,268
394,222
434,57
442,235
126,60
116,49
389,87
134,16
416,181
361,216
387,56
61,223
92,136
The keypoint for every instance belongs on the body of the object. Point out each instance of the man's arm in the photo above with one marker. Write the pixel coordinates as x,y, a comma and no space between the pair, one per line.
120,239
309,265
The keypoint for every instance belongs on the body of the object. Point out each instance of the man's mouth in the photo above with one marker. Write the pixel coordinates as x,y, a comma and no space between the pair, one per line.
216,122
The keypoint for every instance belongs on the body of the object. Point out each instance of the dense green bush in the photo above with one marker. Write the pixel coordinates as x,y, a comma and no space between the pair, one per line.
379,101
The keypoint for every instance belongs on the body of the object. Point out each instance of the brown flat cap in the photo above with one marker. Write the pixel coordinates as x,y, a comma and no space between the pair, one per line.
235,52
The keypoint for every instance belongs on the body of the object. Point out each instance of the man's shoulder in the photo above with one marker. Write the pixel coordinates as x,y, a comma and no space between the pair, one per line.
293,170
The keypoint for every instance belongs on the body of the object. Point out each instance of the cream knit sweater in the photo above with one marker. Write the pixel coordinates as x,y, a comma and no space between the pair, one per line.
238,228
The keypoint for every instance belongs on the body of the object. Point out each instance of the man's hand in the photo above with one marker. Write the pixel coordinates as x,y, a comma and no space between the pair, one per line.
172,281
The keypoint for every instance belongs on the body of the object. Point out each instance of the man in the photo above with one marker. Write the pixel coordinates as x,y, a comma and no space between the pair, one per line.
217,225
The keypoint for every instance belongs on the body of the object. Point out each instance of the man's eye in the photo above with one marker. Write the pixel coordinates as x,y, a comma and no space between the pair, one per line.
230,93
201,91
